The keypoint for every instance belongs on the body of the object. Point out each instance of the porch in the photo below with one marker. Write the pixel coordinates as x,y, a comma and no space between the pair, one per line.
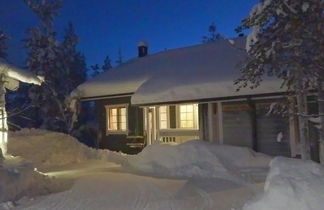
246,122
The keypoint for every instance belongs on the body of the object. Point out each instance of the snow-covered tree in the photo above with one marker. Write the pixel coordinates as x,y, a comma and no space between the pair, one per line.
44,58
59,62
96,69
286,41
213,35
74,61
3,47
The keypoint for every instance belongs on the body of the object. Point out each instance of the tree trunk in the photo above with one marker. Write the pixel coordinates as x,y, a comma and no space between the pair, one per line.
303,125
321,115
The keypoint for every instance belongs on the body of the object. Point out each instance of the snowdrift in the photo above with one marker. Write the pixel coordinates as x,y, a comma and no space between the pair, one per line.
46,149
291,184
17,181
199,159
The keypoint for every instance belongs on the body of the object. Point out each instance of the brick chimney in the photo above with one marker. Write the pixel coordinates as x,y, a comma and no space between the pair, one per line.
142,49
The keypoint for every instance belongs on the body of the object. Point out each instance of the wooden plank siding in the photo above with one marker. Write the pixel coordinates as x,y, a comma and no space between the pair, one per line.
120,142
248,123
237,126
269,125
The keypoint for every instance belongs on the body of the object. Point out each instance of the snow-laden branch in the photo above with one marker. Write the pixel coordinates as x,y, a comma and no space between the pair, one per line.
19,74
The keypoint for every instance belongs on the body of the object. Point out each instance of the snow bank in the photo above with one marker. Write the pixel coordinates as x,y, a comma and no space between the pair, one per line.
46,149
291,184
17,181
198,159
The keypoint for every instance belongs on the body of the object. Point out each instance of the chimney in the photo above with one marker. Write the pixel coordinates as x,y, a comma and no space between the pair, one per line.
142,49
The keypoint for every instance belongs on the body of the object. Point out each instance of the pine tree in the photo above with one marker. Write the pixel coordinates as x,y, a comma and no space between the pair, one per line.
213,35
3,47
286,41
107,64
74,61
58,62
95,70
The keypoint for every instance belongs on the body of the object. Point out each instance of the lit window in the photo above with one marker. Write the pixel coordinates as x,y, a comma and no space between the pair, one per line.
116,118
163,117
188,116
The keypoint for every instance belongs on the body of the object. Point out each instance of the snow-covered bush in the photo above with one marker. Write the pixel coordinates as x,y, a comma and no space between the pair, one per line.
46,149
291,184
198,159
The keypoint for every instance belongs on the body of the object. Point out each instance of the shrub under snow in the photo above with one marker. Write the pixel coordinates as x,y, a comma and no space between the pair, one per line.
291,184
46,149
198,159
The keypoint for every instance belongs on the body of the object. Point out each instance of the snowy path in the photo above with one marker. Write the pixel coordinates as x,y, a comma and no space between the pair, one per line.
107,186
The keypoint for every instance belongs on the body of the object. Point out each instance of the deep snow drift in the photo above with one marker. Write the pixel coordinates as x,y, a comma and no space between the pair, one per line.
19,179
291,184
39,150
200,159
46,149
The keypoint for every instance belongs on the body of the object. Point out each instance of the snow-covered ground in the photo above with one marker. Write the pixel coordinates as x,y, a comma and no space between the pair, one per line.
291,184
194,175
108,186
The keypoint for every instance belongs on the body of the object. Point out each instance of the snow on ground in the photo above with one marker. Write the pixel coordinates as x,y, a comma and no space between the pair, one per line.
47,149
194,175
19,179
200,159
86,180
291,184
109,186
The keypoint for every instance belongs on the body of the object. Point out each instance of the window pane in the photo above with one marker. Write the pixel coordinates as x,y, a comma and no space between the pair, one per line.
163,109
113,111
163,125
163,117
183,108
123,111
122,126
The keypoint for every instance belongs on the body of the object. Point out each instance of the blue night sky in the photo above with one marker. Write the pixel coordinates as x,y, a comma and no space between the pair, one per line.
104,26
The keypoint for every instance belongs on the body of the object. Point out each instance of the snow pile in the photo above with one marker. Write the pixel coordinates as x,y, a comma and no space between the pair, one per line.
291,184
46,149
17,181
198,159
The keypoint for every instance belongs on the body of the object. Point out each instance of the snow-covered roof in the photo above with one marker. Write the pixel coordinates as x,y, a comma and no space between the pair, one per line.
191,73
15,74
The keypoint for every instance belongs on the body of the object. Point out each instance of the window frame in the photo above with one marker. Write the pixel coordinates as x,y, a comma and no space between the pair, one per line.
118,131
195,118
167,118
